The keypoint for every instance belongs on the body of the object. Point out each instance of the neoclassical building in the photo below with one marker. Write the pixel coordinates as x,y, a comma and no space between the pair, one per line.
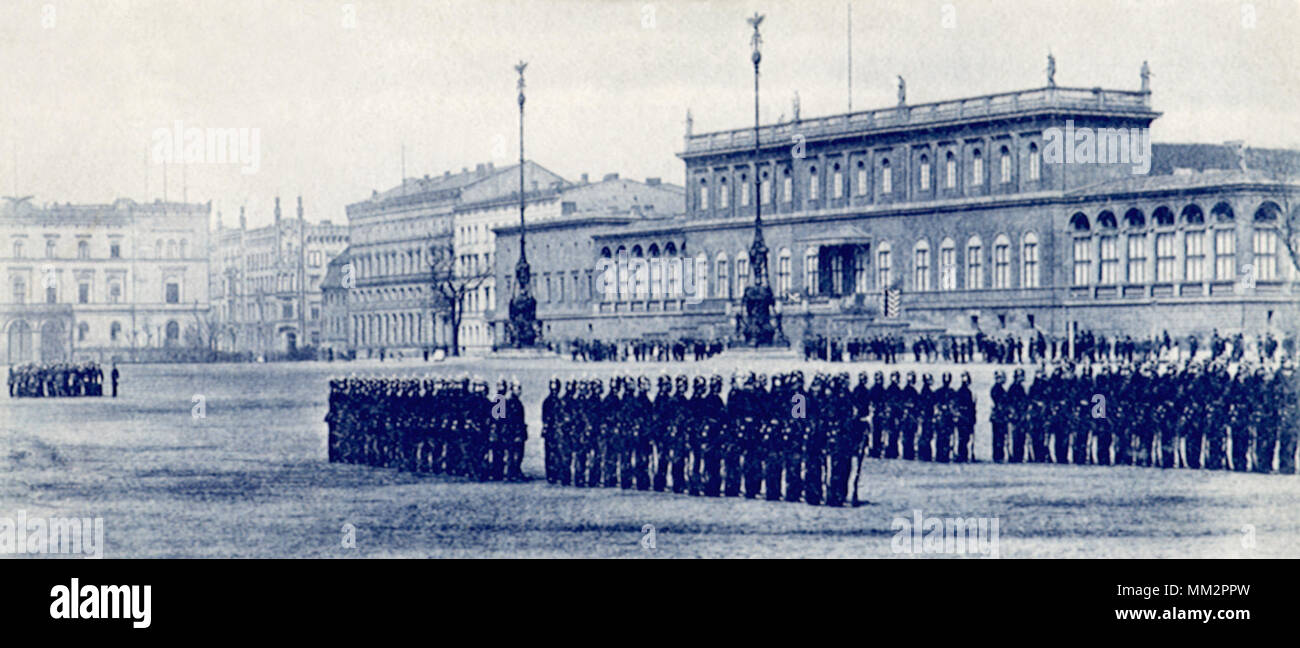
965,211
110,281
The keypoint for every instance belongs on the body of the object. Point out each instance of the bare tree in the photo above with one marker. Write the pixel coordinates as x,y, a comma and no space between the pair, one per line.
453,280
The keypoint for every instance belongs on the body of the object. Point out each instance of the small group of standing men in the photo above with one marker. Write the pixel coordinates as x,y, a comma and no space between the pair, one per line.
438,425
59,380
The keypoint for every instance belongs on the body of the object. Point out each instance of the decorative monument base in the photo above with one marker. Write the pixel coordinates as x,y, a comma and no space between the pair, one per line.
524,354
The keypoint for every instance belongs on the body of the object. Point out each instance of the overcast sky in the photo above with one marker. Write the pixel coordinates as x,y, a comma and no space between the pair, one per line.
84,85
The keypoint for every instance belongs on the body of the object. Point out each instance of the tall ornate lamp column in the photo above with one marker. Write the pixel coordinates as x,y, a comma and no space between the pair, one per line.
522,327
758,299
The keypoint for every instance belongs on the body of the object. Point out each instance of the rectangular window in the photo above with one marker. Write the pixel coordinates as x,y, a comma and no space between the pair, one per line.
1165,258
1225,254
1137,258
787,189
811,275
1194,246
862,181
922,269
1006,169
742,275
948,268
860,277
783,276
766,192
1265,254
977,171
885,273
1029,278
974,267
172,293
839,185
1035,164
744,194
722,195
51,295
1002,266
704,197
951,174
1082,261
886,180
837,274
115,251
83,293
286,311
925,176
1109,260
814,185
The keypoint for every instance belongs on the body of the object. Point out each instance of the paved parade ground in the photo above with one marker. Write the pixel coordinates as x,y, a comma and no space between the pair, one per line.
249,478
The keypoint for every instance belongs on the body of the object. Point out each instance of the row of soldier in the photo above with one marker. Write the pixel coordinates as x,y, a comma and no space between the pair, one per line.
1178,417
784,442
678,350
59,380
438,425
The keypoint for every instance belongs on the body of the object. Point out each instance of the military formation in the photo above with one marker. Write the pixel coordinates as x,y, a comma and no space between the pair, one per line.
1186,416
777,437
679,350
60,380
437,425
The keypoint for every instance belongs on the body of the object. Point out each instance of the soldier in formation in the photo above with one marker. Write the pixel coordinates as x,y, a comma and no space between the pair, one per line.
60,380
1167,416
438,425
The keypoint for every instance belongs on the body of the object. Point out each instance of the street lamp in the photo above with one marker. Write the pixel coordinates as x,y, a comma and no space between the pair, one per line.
522,327
758,300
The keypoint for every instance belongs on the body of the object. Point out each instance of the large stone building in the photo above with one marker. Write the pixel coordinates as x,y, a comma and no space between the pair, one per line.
266,283
122,281
400,235
963,210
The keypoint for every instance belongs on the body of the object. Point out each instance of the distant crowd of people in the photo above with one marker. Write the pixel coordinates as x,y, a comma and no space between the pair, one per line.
59,380
1182,417
438,425
679,350
1043,348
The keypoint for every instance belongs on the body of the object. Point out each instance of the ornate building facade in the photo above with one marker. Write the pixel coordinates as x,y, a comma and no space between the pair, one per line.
124,280
266,283
964,212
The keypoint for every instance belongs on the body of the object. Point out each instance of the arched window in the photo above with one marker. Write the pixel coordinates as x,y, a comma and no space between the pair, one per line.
721,278
921,265
83,250
974,263
783,273
670,249
884,268
172,332
861,266
1192,214
1035,163
886,177
1002,262
1082,249
925,172
1029,261
950,171
637,252
1079,221
1134,219
976,168
1004,161
947,265
604,253
742,273
1223,213
814,184
811,272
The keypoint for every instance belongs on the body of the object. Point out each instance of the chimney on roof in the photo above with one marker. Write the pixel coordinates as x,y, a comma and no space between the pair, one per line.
490,166
243,224
300,208
464,169
446,174
653,182
277,210
610,176
584,179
